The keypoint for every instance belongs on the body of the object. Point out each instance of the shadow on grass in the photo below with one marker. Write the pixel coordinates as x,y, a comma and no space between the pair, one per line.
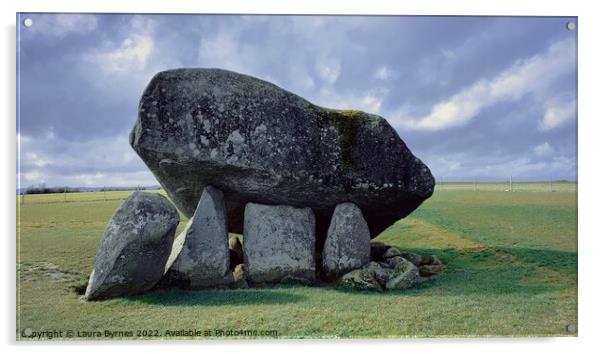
494,270
218,297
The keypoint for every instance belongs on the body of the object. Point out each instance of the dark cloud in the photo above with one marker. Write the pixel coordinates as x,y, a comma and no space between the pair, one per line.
81,77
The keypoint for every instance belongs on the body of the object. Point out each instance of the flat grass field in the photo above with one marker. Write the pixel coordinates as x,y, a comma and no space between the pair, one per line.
511,271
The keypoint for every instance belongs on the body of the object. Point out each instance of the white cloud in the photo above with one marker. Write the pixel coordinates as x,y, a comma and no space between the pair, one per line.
34,159
498,165
59,25
543,149
222,50
286,50
532,75
132,53
31,178
557,113
383,73
369,101
328,69
130,61
97,162
449,54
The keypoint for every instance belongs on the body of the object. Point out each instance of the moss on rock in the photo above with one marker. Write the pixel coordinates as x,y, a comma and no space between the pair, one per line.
347,124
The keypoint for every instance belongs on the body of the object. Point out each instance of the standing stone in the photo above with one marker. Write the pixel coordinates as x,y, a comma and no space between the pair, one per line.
279,243
204,258
347,244
134,248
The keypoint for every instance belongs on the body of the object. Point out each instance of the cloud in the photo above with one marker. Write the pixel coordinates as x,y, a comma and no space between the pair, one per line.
106,161
383,73
466,166
291,51
34,159
328,69
223,50
543,149
132,53
60,25
557,113
529,76
502,80
369,101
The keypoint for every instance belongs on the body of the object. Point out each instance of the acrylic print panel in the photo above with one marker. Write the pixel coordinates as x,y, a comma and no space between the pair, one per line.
268,177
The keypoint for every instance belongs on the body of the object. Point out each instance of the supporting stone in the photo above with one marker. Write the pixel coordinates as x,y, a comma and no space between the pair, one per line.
204,258
134,248
347,244
278,243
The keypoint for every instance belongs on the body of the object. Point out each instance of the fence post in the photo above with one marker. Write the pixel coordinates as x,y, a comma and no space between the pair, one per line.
475,185
65,194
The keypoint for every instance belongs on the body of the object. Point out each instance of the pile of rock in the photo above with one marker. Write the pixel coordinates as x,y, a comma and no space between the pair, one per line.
306,186
391,269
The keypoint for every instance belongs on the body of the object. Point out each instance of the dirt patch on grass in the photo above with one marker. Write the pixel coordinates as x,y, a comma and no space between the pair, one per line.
46,270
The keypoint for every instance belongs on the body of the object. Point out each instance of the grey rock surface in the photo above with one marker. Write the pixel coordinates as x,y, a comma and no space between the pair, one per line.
394,261
259,143
134,248
382,273
235,251
278,243
359,279
391,252
235,245
240,278
347,244
203,259
430,259
416,259
405,275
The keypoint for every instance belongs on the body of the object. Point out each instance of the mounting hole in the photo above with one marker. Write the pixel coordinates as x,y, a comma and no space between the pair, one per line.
27,22
570,25
571,328
27,332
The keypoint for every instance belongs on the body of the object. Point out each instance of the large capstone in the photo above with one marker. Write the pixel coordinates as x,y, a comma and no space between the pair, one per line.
278,243
259,143
203,258
347,244
135,247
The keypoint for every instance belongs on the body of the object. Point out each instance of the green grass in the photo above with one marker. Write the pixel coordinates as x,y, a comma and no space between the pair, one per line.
512,271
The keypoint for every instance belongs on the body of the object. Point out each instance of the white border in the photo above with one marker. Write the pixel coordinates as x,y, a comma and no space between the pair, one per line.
589,161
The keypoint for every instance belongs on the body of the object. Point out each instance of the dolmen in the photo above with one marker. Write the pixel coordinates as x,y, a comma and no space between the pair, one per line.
275,189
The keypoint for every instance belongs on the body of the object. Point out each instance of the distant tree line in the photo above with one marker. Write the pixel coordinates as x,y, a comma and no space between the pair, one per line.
42,189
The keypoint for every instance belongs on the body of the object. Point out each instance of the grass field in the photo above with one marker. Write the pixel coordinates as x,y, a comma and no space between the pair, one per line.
512,271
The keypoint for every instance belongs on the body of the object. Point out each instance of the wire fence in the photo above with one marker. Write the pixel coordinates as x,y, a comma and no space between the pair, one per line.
97,196
508,186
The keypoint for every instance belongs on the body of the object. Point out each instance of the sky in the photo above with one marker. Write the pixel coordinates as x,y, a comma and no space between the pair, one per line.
475,98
